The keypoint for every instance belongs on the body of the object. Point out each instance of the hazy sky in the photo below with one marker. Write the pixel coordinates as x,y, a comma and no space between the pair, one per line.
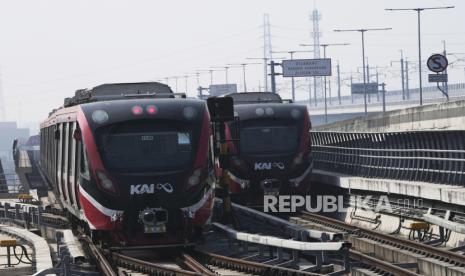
48,49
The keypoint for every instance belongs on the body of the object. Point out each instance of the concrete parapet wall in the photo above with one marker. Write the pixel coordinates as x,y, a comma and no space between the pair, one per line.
42,255
450,194
450,116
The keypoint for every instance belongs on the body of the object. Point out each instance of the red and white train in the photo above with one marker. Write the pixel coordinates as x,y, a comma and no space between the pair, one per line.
131,162
272,155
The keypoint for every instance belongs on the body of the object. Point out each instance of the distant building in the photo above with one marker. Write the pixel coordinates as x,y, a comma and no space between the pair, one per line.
9,131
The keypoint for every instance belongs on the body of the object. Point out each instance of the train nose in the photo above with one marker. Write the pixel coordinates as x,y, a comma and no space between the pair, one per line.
154,220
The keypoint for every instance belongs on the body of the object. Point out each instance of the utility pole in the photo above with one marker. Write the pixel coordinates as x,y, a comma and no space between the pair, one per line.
211,74
419,10
329,92
338,83
315,17
243,65
377,81
267,49
407,90
2,103
368,80
186,77
351,82
226,68
362,31
383,85
445,85
197,75
309,91
402,73
273,75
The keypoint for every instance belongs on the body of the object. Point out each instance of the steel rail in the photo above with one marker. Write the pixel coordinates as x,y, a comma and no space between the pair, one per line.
194,265
379,264
148,267
447,256
97,255
248,266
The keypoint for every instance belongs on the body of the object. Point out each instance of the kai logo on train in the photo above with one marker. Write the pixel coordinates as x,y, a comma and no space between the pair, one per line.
140,189
268,166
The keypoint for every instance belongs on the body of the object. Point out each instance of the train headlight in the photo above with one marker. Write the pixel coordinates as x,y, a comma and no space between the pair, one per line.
269,111
239,164
299,159
259,111
105,183
194,179
295,113
99,116
189,112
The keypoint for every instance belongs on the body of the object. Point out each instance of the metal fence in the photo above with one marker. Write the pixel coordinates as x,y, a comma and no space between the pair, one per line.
427,156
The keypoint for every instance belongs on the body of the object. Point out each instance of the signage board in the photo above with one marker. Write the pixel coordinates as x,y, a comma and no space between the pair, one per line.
437,77
437,63
222,89
306,67
359,88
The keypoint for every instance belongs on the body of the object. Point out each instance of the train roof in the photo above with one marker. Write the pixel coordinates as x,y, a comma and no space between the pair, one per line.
121,91
255,97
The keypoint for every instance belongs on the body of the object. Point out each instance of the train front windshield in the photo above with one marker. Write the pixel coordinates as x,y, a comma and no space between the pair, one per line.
268,139
146,149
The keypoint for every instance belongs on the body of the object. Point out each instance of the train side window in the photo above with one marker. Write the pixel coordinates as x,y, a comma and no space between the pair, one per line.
71,154
84,162
64,160
59,153
77,167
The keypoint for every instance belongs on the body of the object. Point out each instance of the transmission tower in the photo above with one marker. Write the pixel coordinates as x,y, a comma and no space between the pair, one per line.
267,49
2,103
315,17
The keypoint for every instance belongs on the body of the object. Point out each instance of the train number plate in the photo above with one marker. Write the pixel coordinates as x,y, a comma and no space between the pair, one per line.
271,192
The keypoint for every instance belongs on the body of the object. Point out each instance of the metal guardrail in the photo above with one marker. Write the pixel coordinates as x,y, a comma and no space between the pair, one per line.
427,156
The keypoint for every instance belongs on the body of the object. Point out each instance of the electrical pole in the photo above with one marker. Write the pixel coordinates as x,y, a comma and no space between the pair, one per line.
267,49
338,83
2,104
243,65
329,92
419,10
315,17
383,85
368,80
186,77
362,31
407,90
377,82
273,76
402,74
445,85
309,91
225,68
351,82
